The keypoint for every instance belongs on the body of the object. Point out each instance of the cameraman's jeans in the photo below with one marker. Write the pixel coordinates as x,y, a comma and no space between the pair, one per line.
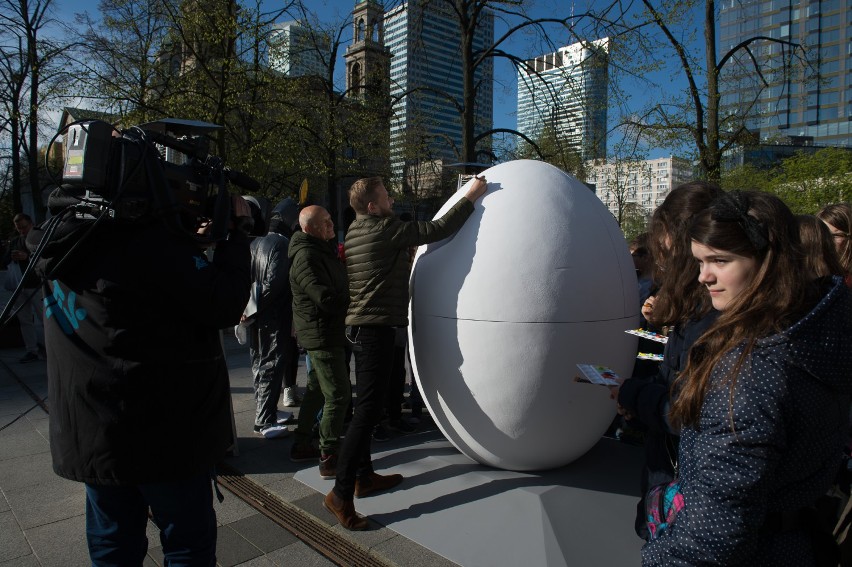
373,366
117,516
31,318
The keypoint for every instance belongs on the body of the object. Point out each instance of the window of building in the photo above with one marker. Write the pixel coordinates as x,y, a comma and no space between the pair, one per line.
831,21
828,113
831,51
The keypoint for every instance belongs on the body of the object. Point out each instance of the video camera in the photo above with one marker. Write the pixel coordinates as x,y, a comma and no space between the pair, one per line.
160,169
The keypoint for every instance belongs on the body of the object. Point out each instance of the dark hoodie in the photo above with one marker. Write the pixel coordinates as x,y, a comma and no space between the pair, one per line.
790,419
137,378
320,292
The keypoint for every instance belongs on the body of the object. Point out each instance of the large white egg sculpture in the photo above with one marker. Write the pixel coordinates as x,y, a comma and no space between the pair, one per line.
538,280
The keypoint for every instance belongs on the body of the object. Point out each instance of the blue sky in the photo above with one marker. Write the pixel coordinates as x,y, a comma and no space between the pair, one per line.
336,11
331,11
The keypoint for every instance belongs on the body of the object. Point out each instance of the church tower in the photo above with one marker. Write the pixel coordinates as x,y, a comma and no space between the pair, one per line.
367,59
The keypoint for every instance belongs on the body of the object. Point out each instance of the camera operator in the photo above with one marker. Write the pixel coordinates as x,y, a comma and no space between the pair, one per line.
138,383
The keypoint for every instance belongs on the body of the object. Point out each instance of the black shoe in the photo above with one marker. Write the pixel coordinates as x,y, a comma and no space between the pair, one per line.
401,426
380,434
303,452
29,357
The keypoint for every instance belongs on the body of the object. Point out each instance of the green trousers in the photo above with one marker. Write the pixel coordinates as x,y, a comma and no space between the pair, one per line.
328,389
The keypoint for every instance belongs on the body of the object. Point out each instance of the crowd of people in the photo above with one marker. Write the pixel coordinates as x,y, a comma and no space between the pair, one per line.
745,421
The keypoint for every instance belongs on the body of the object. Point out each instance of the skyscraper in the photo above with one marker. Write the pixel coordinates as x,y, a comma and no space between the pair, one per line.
804,103
297,51
566,91
426,83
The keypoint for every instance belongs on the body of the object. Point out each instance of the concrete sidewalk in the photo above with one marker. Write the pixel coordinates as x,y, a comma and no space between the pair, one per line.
42,516
449,511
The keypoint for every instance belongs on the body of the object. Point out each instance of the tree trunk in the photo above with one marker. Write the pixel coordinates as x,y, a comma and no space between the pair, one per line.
712,155
32,154
468,149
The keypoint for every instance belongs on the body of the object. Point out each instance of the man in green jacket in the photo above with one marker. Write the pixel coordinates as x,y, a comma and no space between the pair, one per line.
320,298
377,262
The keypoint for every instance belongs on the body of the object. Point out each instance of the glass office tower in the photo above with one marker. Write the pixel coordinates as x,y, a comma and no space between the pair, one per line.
426,83
804,102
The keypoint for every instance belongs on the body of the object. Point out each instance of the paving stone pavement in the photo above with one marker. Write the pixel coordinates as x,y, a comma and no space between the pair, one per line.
42,516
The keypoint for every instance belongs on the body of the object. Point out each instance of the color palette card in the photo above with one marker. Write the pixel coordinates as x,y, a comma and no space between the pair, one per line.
648,335
599,375
650,356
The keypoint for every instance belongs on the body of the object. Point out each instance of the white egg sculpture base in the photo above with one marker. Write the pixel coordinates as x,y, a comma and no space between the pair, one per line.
538,280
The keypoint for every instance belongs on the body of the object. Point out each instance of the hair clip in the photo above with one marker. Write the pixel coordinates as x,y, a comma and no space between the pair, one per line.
733,207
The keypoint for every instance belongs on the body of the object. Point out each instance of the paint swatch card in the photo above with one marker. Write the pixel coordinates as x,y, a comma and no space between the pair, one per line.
650,356
648,335
597,374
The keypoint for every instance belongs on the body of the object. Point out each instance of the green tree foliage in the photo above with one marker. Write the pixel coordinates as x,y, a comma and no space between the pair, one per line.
555,150
203,60
634,220
806,182
746,177
340,135
208,60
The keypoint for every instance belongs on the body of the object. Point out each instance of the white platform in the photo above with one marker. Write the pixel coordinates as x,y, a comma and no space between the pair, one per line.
578,515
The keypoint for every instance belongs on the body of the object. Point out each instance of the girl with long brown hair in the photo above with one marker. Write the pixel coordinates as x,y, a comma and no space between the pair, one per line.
764,399
681,303
820,255
678,297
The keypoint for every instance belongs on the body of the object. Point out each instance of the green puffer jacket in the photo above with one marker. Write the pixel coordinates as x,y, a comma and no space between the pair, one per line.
320,292
378,263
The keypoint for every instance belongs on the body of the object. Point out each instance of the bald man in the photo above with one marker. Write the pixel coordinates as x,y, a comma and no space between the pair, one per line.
320,300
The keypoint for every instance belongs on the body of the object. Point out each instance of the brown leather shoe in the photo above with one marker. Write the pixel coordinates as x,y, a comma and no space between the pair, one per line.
345,512
375,483
328,467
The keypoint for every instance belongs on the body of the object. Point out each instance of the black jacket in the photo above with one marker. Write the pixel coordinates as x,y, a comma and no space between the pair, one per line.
320,292
270,267
648,399
137,378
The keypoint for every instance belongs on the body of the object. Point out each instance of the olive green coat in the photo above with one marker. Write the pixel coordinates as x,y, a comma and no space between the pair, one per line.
378,262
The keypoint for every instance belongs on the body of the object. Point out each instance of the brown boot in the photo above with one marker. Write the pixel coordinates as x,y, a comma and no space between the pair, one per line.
374,483
345,512
328,467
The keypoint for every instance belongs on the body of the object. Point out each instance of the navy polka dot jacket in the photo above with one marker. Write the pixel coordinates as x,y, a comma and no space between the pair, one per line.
791,418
